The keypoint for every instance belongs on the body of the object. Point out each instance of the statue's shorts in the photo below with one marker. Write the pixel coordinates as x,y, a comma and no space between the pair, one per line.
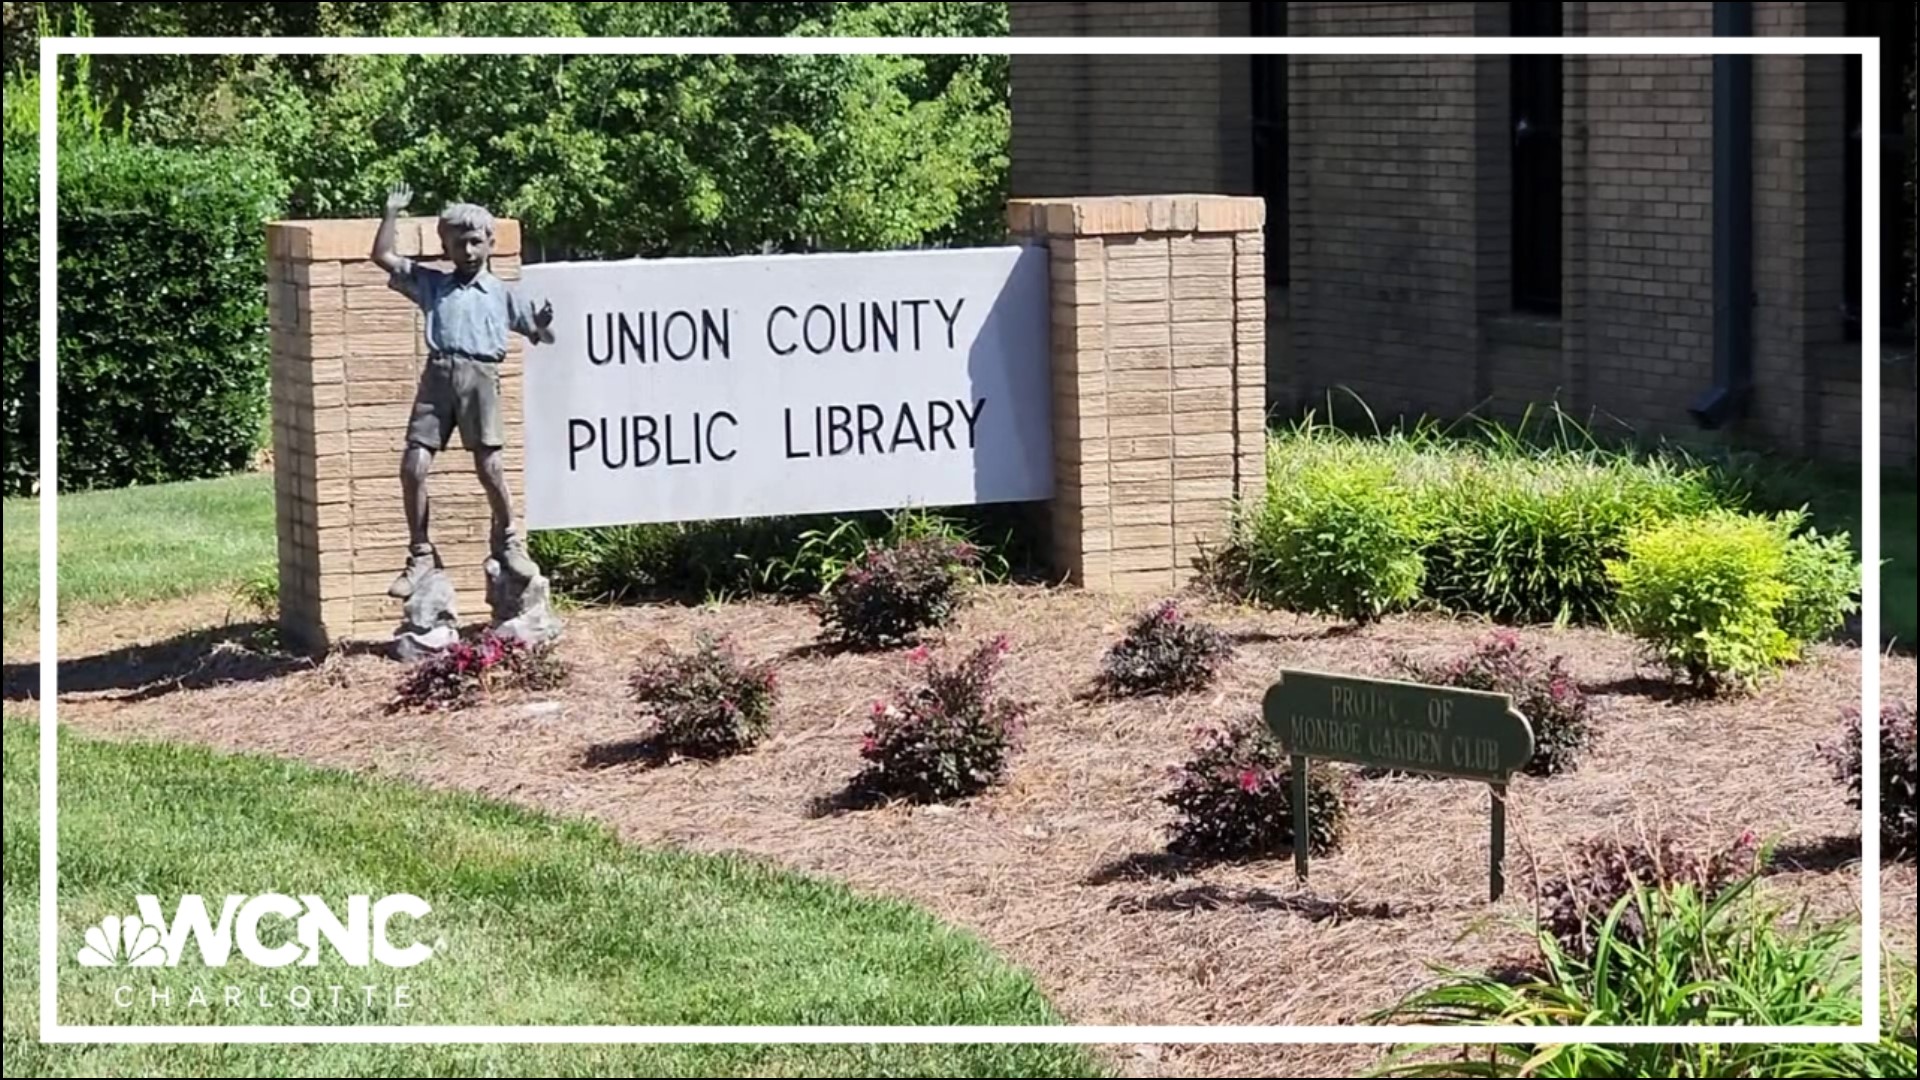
458,392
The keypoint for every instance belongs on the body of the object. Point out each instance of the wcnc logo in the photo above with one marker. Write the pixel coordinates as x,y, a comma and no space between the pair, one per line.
150,939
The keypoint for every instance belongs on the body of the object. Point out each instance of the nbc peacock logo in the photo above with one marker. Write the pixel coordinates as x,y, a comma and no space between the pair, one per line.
123,942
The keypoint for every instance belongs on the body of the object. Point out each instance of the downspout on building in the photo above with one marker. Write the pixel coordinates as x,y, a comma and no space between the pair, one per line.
1727,397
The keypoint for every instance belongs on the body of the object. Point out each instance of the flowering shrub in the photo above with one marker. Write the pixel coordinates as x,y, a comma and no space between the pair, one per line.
1541,689
945,738
1898,769
706,703
1234,798
1165,652
470,670
1608,874
891,593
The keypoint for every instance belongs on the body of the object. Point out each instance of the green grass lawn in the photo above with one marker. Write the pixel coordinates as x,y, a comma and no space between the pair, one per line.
137,545
541,921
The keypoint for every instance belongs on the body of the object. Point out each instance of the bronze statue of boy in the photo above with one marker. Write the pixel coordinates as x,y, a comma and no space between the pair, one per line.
469,315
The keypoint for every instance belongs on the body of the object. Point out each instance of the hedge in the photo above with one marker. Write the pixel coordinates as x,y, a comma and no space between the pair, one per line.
163,327
20,320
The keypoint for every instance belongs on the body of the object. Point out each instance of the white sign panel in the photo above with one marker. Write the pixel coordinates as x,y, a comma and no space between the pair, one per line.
690,389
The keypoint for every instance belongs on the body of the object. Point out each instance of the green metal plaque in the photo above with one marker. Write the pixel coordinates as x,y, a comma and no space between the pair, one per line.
1411,727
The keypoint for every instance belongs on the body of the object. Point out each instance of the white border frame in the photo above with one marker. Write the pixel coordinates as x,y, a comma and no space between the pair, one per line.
1868,49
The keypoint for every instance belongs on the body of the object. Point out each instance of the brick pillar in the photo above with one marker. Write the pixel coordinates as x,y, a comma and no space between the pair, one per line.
1159,376
347,354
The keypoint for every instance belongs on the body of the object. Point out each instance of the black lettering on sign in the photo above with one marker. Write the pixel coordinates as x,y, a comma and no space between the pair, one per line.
871,421
846,328
713,450
818,329
771,321
907,430
886,325
643,337
674,459
973,421
953,319
651,439
916,306
643,441
794,453
839,430
581,435
940,422
867,428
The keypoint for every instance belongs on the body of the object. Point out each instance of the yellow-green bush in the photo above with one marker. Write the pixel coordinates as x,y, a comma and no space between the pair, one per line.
1725,598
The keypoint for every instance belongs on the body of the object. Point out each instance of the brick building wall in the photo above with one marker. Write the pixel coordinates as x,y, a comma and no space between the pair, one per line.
1400,261
1127,125
1384,296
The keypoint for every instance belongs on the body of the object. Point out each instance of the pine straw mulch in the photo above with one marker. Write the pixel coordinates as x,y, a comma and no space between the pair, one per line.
1063,868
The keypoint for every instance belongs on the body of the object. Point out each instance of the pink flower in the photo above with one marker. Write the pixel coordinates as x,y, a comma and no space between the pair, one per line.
868,745
918,655
879,707
1249,781
1747,838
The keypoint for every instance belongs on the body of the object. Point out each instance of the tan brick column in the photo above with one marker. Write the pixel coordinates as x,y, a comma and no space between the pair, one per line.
1159,376
347,354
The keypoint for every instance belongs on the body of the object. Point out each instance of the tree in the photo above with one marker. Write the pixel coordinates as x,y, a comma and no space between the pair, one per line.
604,156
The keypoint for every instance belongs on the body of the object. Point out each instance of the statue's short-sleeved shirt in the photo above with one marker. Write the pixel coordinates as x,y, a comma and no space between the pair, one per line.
470,318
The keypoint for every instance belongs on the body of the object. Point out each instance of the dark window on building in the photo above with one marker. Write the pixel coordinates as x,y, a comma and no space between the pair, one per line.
1535,120
1270,136
1892,23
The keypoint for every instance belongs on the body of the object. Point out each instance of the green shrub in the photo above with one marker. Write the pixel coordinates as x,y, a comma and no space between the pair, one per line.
1721,962
819,555
624,563
1343,539
1527,539
1823,583
20,309
1515,526
1706,595
782,557
163,342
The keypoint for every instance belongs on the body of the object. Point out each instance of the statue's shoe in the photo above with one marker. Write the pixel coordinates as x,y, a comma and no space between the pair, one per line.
418,567
515,560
